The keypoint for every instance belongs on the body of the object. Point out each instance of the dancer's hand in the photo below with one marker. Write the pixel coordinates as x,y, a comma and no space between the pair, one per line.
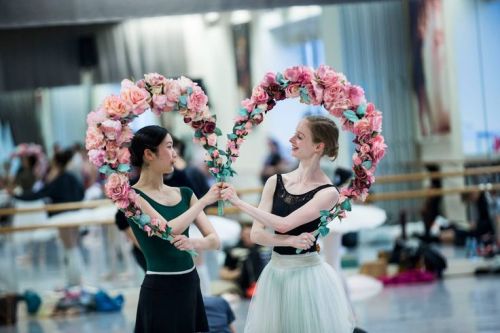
303,241
183,243
212,195
228,193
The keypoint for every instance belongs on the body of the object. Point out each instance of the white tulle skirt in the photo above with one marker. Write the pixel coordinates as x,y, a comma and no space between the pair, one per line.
299,294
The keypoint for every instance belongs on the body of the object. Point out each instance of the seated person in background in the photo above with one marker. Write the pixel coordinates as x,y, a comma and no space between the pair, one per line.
482,226
243,263
219,314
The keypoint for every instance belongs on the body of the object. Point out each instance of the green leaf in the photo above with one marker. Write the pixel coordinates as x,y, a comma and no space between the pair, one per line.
218,131
361,110
189,90
243,112
144,219
351,116
323,231
304,96
232,136
123,168
255,112
367,164
198,134
346,205
106,169
281,80
183,100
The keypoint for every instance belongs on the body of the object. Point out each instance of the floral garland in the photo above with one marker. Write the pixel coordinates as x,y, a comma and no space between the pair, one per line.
33,149
341,99
108,136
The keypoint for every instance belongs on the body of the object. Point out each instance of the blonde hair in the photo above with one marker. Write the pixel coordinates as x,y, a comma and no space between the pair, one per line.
324,130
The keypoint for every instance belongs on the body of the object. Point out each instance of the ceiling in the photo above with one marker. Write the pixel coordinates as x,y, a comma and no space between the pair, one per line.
41,13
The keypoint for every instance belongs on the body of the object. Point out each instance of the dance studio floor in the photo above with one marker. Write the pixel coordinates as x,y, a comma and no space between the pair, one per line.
461,303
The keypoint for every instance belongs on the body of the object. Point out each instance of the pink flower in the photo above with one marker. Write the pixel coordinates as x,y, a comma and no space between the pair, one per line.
141,84
117,188
378,148
259,95
94,118
335,97
115,107
305,75
248,104
148,230
370,109
172,91
356,95
292,74
155,82
327,76
212,139
214,170
365,149
159,104
136,98
298,74
375,119
269,79
125,136
111,156
293,90
184,83
337,112
257,119
111,128
342,214
123,156
96,157
315,92
197,100
362,127
356,160
94,138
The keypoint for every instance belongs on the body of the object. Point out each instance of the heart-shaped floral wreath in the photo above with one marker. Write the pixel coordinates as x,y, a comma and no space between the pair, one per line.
109,134
341,99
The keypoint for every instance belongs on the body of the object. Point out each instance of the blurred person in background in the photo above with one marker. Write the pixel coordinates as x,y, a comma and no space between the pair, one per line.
274,163
62,186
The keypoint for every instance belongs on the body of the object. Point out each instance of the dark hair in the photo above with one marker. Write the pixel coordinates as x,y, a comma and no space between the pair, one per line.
62,158
324,130
148,137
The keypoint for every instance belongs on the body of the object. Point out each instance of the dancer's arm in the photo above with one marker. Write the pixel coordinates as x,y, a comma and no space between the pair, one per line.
323,200
261,236
182,222
209,241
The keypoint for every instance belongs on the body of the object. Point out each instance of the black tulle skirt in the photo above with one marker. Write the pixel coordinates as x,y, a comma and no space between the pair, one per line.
171,304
